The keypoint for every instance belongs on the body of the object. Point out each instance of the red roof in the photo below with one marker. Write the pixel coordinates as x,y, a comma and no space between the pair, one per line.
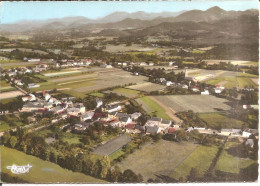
130,126
171,130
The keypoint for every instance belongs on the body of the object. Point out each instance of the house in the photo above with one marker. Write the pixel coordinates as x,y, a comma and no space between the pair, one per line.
33,85
106,66
125,120
140,128
81,126
143,64
151,64
81,107
115,123
87,116
113,108
248,132
152,130
206,92
190,129
195,89
162,80
99,103
165,124
171,63
32,106
34,60
153,121
185,86
250,142
31,119
255,107
229,132
169,83
136,73
130,128
73,111
124,64
58,110
135,115
171,130
112,115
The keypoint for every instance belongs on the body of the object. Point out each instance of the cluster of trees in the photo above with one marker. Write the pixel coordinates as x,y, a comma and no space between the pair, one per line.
11,106
68,157
191,119
155,74
129,148
249,98
93,134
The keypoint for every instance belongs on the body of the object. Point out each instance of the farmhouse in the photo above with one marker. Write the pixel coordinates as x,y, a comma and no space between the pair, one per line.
130,128
152,130
87,116
125,120
81,125
112,108
250,143
58,109
33,85
99,103
248,132
165,124
229,132
32,106
135,115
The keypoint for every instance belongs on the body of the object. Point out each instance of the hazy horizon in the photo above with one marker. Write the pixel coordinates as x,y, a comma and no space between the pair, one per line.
13,12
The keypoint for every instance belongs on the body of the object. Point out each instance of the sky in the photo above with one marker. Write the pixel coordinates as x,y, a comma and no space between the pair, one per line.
12,12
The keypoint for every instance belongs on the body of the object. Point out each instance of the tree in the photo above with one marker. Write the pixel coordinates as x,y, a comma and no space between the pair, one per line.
53,157
130,177
6,138
12,141
194,174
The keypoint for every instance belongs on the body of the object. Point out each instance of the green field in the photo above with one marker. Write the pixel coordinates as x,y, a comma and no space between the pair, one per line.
97,94
155,108
158,158
126,92
9,61
239,82
41,171
230,163
216,120
200,159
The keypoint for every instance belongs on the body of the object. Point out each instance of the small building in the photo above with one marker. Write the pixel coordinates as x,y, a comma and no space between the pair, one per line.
135,115
33,85
113,108
250,143
81,126
206,92
87,116
130,128
140,128
152,130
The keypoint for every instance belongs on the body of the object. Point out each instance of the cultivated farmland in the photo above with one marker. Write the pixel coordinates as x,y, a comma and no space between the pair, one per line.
152,107
147,87
156,159
112,145
196,103
41,171
232,163
200,159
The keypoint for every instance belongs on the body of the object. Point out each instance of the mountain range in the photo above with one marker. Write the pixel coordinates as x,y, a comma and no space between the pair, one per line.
123,20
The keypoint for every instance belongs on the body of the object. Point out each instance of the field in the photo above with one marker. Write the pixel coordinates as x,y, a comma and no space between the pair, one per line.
41,171
5,87
88,80
216,120
124,48
151,107
147,87
233,62
156,159
112,145
197,103
126,92
232,164
242,81
10,94
200,159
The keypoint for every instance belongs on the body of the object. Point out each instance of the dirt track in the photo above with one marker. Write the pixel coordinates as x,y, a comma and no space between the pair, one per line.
169,111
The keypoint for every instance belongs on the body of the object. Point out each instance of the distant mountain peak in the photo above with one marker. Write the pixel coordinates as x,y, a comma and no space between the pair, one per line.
215,9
